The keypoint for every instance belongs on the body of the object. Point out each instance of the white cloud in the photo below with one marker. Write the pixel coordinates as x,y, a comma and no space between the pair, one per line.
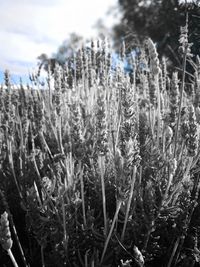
31,27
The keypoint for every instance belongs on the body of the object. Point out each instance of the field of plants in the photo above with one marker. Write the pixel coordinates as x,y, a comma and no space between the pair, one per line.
102,167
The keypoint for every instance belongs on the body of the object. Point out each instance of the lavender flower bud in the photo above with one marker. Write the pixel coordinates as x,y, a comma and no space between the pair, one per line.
154,61
192,140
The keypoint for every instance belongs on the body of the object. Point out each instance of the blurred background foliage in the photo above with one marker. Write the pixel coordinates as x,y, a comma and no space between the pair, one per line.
139,19
160,20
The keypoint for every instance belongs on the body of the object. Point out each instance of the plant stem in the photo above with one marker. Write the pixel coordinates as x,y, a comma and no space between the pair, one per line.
170,178
129,203
181,100
66,181
103,194
158,114
17,241
42,256
86,258
83,199
173,252
64,225
111,229
12,258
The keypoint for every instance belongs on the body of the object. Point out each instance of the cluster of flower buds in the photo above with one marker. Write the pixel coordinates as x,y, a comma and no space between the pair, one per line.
193,131
5,235
185,46
184,124
101,125
154,61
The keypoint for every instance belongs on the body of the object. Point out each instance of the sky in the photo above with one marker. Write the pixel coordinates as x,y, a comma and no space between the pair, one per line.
29,28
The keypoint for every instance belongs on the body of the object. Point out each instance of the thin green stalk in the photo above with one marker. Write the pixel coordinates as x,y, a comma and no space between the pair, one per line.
181,151
111,229
168,186
42,256
18,241
196,158
53,130
64,226
159,115
22,141
118,119
164,144
151,121
12,258
103,194
173,252
189,164
113,141
129,203
92,263
180,105
83,199
66,181
45,144
118,128
49,90
86,258
60,134
149,231
37,182
181,100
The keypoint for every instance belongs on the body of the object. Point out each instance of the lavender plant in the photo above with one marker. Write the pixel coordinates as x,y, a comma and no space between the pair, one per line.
104,163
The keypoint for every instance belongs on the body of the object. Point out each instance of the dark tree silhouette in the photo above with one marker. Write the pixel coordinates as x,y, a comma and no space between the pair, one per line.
160,20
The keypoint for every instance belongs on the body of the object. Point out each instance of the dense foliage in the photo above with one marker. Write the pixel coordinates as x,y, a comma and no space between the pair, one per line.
158,19
102,167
